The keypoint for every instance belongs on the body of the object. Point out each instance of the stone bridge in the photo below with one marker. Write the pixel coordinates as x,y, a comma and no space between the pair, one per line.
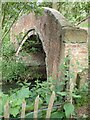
57,36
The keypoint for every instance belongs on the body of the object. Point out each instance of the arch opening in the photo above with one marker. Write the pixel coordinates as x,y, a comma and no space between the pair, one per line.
35,59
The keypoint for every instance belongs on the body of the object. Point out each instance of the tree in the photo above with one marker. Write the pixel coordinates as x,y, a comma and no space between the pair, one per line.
11,11
73,11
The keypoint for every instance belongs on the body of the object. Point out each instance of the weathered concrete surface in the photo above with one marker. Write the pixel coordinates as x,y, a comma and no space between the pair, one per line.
55,32
74,35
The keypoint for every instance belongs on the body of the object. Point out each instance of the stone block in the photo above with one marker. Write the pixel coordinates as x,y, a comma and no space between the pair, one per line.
74,35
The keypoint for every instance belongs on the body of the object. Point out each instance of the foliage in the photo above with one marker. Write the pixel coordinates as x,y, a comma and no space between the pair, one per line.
44,91
73,11
63,108
12,68
32,44
69,109
15,99
76,11
58,114
11,11
83,92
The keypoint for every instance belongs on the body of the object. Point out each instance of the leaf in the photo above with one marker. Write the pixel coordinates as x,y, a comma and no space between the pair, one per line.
16,102
23,93
57,114
60,87
30,107
69,109
76,96
14,111
62,93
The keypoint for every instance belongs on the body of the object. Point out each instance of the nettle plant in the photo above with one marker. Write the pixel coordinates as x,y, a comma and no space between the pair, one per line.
62,108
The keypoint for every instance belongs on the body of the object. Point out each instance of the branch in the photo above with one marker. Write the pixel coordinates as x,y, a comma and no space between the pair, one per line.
12,23
11,26
3,12
83,20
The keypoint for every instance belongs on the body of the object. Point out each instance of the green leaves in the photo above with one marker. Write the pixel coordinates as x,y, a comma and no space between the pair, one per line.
57,114
14,111
69,109
12,70
76,96
16,100
23,93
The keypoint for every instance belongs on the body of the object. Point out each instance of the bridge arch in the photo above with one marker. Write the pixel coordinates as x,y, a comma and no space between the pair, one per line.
54,31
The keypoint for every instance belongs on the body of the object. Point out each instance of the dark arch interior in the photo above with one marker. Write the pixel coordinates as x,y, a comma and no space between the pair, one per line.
33,46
